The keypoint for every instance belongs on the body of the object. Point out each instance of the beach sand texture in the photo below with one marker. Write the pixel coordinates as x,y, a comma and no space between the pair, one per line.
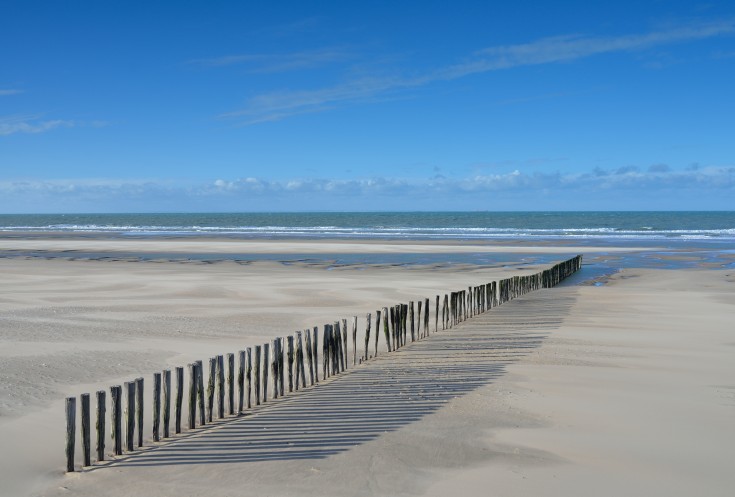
625,388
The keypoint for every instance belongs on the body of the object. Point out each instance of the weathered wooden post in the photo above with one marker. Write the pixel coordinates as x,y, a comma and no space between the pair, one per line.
315,354
240,381
200,392
298,356
444,307
71,431
309,358
274,367
130,416
289,351
211,387
139,409
116,418
221,386
156,407
367,335
249,375
345,348
166,402
436,316
377,330
392,311
266,366
179,399
337,347
101,411
334,342
386,331
231,382
325,352
86,431
281,368
426,316
354,340
411,319
192,367
257,375
419,331
300,371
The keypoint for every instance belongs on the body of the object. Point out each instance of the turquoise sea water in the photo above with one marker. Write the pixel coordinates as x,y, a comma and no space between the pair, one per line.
681,239
570,226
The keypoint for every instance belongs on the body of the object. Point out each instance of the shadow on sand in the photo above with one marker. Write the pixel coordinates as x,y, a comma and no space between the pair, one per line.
381,396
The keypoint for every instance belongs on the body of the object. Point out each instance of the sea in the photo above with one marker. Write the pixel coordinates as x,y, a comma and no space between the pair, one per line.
680,239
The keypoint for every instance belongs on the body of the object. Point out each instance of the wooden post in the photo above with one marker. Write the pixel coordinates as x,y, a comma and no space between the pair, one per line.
179,399
274,368
436,316
315,354
192,394
309,358
419,331
240,381
248,375
289,352
377,331
231,382
300,359
71,431
354,340
281,368
130,416
211,387
116,418
257,375
156,407
266,366
336,347
368,319
86,431
325,352
411,320
393,327
386,331
220,386
200,392
139,409
426,317
101,411
166,402
345,348
342,345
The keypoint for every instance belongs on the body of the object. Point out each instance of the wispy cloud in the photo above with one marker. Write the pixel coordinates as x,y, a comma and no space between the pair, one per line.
573,47
277,105
272,63
8,92
30,124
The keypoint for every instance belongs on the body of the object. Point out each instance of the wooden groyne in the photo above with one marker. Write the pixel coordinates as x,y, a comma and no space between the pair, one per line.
234,389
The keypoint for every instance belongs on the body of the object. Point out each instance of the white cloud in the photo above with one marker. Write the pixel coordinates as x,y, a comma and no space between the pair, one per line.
278,105
8,92
273,63
711,187
30,124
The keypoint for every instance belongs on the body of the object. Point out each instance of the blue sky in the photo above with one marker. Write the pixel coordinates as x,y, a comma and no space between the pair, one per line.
238,106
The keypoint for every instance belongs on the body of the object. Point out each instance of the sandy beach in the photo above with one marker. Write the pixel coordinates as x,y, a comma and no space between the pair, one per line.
576,390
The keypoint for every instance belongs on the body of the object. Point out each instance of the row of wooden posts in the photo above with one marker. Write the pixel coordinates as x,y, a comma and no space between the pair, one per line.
287,360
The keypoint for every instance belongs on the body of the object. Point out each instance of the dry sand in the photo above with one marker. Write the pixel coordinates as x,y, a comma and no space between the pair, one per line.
621,389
